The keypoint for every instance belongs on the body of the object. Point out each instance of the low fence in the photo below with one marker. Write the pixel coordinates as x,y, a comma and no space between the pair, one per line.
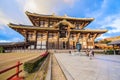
41,74
16,75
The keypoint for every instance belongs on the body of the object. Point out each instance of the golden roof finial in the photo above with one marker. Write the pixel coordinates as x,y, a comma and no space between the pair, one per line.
65,15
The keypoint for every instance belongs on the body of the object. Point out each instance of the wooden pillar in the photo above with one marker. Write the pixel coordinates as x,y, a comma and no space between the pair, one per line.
25,33
87,39
39,22
35,34
68,40
48,22
47,41
58,39
81,37
95,35
77,38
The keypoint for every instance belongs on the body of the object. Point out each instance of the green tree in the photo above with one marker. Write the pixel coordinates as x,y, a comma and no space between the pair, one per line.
1,49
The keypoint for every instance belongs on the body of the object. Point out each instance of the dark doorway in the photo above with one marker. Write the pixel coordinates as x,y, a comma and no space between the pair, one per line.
64,45
73,45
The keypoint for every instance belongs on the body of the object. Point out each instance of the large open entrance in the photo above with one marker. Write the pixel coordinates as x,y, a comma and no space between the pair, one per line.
64,45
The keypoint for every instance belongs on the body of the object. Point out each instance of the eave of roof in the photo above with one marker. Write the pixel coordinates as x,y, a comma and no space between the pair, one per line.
14,26
90,31
30,27
114,42
59,17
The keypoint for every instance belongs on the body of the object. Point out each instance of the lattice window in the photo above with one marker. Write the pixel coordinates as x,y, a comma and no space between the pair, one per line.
40,35
51,35
42,23
30,35
51,24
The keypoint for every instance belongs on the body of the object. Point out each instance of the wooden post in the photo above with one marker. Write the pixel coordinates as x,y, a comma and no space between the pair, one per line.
47,42
35,44
17,69
77,38
48,22
87,39
86,24
68,40
58,40
95,35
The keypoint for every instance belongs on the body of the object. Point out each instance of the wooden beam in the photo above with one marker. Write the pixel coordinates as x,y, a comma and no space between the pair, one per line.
39,22
26,38
24,33
95,35
93,38
86,24
21,31
82,25
88,34
77,38
31,19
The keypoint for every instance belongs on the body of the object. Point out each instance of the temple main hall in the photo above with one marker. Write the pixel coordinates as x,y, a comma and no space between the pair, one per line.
57,32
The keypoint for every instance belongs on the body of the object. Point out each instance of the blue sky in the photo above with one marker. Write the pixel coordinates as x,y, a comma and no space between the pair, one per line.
105,12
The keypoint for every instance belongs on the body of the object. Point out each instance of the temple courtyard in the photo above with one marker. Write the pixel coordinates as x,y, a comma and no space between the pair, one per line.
80,67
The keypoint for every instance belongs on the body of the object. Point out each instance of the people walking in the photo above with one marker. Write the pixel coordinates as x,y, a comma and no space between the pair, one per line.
91,54
87,52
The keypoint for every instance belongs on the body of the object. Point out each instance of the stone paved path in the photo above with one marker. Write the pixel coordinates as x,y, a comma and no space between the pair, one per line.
57,73
101,67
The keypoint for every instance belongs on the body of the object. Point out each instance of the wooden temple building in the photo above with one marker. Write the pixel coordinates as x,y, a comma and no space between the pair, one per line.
57,32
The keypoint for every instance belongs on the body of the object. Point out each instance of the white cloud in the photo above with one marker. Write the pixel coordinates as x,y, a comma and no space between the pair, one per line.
115,24
97,12
4,41
38,6
112,22
4,20
12,40
69,2
102,37
45,6
16,39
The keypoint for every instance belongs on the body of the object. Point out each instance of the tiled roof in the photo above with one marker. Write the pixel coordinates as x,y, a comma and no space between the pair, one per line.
14,26
60,17
114,42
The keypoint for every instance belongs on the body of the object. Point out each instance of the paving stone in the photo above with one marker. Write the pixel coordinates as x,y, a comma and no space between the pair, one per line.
101,67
